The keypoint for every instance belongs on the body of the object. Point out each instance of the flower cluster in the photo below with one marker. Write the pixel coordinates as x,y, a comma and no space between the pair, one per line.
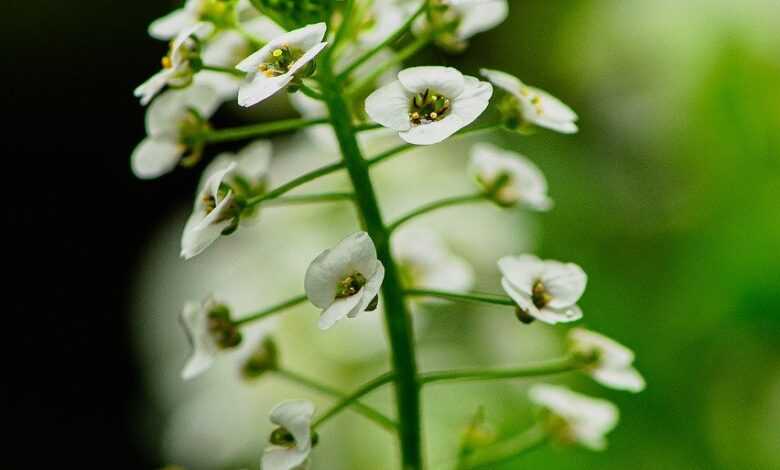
351,78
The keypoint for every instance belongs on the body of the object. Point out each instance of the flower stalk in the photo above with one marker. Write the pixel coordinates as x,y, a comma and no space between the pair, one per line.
397,319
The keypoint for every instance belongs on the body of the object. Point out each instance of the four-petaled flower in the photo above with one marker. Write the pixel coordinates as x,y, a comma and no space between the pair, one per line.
428,104
215,214
209,330
293,439
453,22
176,68
211,12
345,280
527,104
573,418
509,178
544,290
172,124
279,62
426,262
610,363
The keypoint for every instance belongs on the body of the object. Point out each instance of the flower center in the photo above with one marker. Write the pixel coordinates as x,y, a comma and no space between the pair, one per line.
222,329
539,295
427,107
350,285
536,100
282,437
280,62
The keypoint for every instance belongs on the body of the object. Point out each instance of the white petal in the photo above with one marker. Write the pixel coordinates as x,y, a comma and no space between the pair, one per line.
295,416
563,315
172,24
163,118
154,157
307,57
225,86
610,352
473,101
304,38
263,28
503,80
434,132
354,254
254,160
565,282
151,87
194,319
521,271
199,234
307,106
479,16
258,87
627,379
340,308
521,299
371,289
389,106
527,183
283,458
444,80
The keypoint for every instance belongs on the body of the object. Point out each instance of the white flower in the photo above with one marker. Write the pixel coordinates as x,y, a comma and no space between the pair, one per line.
534,105
613,361
383,18
428,104
176,70
252,163
209,330
509,177
214,213
575,418
227,49
170,121
426,262
458,20
291,442
218,12
345,280
275,65
544,290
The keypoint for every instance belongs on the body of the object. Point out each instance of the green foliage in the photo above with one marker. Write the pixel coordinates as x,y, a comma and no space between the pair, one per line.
293,14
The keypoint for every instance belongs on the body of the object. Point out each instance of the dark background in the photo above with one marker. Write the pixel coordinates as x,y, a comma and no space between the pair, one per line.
78,220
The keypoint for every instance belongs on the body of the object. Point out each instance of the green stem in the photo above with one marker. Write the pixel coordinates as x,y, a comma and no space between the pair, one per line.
366,411
463,296
267,312
405,147
353,397
309,198
397,318
555,366
447,202
398,58
387,42
258,130
310,92
292,184
227,70
489,457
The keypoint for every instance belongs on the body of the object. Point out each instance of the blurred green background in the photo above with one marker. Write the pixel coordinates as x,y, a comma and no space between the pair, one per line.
668,197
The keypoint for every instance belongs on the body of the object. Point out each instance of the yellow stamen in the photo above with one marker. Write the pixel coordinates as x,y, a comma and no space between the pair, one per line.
277,53
434,115
166,62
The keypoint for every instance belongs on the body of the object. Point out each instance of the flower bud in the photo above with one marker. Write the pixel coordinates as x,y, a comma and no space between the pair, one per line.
264,358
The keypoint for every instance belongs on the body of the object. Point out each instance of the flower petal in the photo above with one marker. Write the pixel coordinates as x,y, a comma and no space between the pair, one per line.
194,320
295,416
370,290
307,57
154,157
340,308
258,87
503,80
170,25
565,282
283,458
628,379
521,271
433,132
473,101
389,106
447,81
521,299
553,316
479,15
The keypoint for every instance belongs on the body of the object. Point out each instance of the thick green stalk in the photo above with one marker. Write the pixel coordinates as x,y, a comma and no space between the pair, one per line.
397,318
